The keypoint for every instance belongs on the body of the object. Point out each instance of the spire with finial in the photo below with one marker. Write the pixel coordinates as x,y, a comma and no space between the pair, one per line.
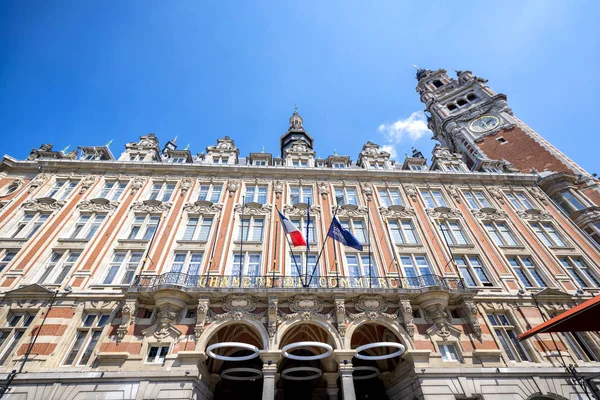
296,119
64,151
174,140
458,72
421,72
109,143
263,149
187,147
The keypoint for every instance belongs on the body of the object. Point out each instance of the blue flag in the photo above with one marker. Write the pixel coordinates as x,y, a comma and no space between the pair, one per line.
344,236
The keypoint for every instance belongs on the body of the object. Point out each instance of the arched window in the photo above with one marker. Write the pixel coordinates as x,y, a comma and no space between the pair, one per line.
471,97
452,107
437,83
461,102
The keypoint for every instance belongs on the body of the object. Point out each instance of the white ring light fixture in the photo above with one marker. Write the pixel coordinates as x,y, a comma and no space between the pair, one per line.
399,346
226,374
296,345
285,374
245,346
374,373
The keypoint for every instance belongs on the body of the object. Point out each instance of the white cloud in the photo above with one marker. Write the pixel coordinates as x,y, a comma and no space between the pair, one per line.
410,129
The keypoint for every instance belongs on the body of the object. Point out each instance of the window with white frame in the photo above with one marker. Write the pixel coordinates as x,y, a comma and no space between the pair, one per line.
449,352
248,263
220,160
251,229
415,266
62,189
136,157
472,271
300,163
122,268
9,189
546,232
178,160
256,194
580,272
29,225
143,227
187,262
417,167
453,167
338,165
519,201
403,232
346,195
157,354
210,192
259,162
113,190
361,266
569,201
357,227
526,271
6,257
162,191
579,342
301,224
198,227
494,170
477,200
507,336
451,232
594,231
86,339
87,225
390,197
433,198
11,335
58,267
300,263
301,194
500,233
376,165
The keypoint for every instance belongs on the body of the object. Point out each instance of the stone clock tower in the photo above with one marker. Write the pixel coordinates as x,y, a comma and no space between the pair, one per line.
471,119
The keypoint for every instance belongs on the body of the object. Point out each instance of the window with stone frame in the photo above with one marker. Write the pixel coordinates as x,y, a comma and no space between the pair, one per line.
362,266
300,261
86,339
390,197
449,352
506,334
112,190
581,273
248,264
9,189
6,256
187,262
346,195
300,163
433,198
301,222
453,167
472,271
402,231
526,271
87,225
62,189
161,191
547,233
301,194
594,231
58,267
501,233
143,227
357,226
198,227
452,232
581,346
417,167
210,192
476,199
570,201
338,165
178,160
11,335
416,270
256,194
123,267
519,201
251,229
29,225
157,354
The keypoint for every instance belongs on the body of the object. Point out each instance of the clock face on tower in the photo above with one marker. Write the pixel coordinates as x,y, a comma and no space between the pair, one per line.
484,123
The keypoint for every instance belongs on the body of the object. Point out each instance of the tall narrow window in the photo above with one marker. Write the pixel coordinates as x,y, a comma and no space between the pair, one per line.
433,198
449,353
361,266
87,226
58,267
346,195
416,270
507,336
301,224
403,232
500,233
248,263
143,227
252,229
210,193
578,342
256,194
12,334
29,225
188,263
301,194
472,271
546,232
162,191
123,267
526,272
580,272
519,201
477,200
452,232
6,258
390,197
61,189
198,228
357,227
113,190
157,354
86,339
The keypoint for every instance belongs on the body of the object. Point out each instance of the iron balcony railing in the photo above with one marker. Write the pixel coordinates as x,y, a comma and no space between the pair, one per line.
294,282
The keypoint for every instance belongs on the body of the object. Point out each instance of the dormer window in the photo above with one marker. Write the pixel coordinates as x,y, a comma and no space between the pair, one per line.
339,165
260,162
414,167
376,165
494,170
136,157
437,83
300,163
453,167
91,156
178,160
220,160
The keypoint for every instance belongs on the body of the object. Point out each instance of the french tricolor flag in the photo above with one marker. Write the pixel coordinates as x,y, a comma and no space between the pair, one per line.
292,230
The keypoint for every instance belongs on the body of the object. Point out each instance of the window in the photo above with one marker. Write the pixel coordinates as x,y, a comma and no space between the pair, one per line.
12,334
61,189
300,262
415,167
526,272
301,224
251,229
500,233
433,198
87,226
461,102
453,167
449,353
187,263
416,268
256,194
144,226
437,83
494,170
507,336
220,160
210,193
162,191
260,162
578,342
29,225
301,194
58,267
594,231
198,228
190,313
178,160
86,339
452,232
247,263
403,232
357,227
471,97
502,140
472,271
452,107
376,165
157,354
137,157
6,259
113,190
10,189
580,272
122,268
547,234
569,202
389,197
519,201
361,266
477,200
346,195
339,165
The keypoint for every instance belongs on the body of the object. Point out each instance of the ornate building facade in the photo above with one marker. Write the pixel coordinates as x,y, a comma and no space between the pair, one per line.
161,274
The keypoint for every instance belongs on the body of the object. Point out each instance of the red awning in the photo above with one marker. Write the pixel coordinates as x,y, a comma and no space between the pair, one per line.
583,317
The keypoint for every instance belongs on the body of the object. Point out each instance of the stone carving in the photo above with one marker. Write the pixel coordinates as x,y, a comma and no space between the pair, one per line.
96,205
454,192
323,189
294,210
340,315
37,182
136,184
43,204
239,302
306,302
87,183
497,193
368,190
397,212
299,147
411,191
254,208
278,188
470,316
348,210
535,215
405,313
490,214
443,212
272,314
202,207
370,302
150,206
186,184
437,315
201,314
164,326
128,311
12,187
538,194
474,112
232,187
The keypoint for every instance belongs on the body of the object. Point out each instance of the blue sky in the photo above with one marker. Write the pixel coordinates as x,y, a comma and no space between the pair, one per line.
85,72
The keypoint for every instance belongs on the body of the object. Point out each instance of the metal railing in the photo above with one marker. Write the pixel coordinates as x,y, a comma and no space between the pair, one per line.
294,282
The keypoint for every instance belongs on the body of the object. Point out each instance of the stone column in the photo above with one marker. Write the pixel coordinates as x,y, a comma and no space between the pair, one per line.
270,359
345,368
332,389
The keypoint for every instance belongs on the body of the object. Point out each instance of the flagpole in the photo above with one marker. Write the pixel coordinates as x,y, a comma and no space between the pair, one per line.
323,246
307,243
242,243
293,256
212,253
369,233
275,250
